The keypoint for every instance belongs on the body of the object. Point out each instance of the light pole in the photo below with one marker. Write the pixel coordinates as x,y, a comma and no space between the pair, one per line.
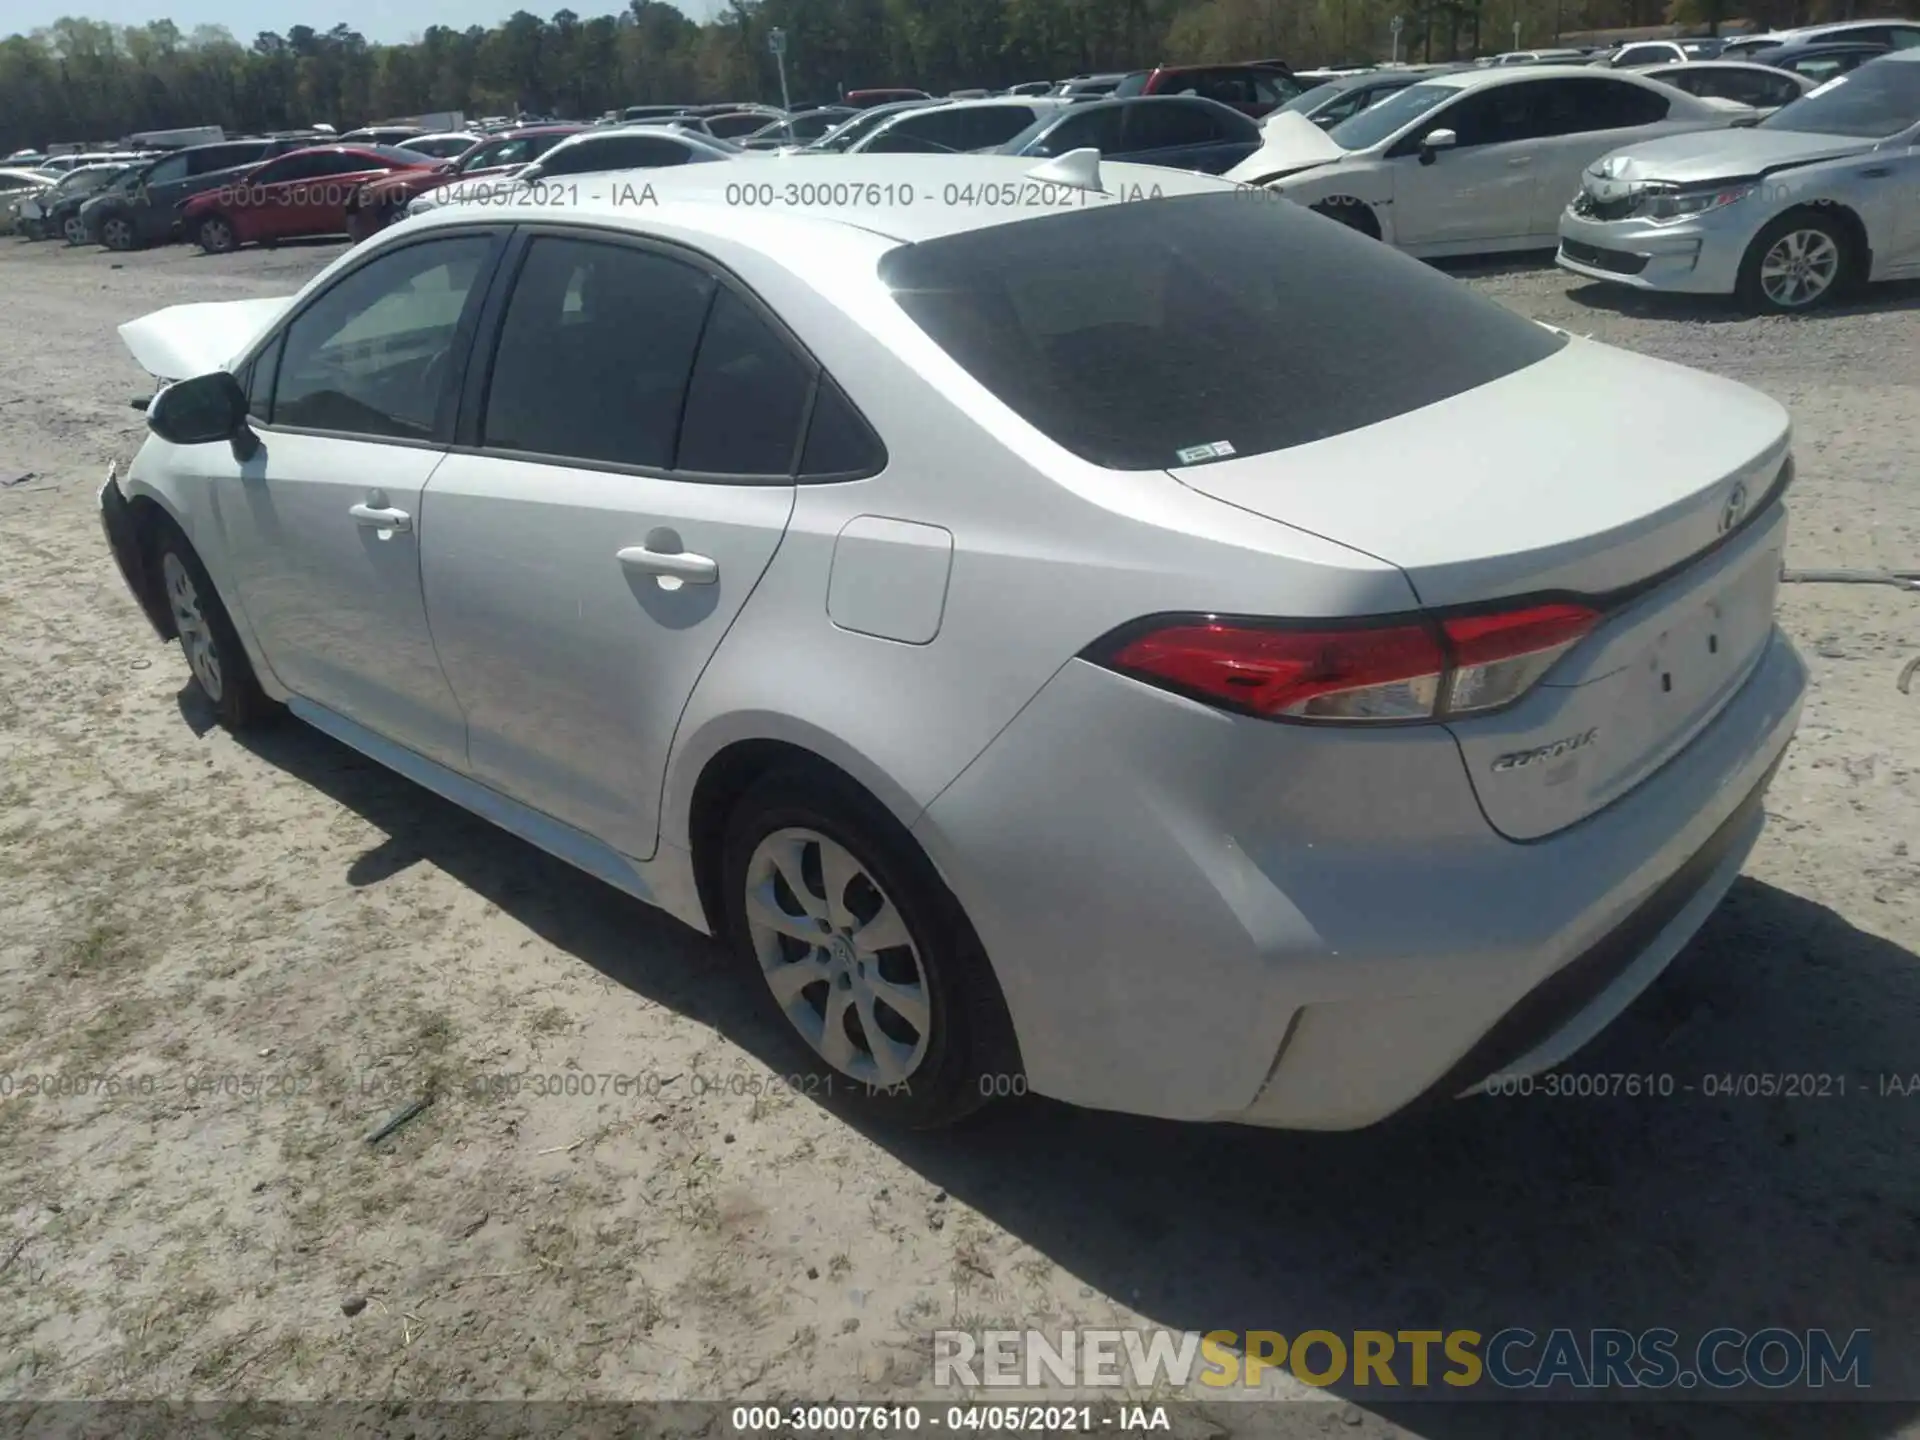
777,43
1395,28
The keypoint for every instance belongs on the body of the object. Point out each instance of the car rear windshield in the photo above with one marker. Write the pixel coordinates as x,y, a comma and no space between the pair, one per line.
1879,99
1168,332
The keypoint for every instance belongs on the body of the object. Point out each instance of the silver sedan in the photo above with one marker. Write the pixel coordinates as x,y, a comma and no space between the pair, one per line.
1817,198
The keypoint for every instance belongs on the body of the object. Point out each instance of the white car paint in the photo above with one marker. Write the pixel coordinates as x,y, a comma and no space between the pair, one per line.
1469,199
1181,904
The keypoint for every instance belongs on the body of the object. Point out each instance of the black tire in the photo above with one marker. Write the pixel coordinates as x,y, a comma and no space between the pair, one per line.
215,235
117,232
73,231
1354,214
1754,288
969,1054
230,687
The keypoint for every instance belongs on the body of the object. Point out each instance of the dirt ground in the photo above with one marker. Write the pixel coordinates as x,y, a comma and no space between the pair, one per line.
247,955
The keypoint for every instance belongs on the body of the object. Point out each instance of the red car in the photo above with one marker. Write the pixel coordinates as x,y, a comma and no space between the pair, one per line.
1256,89
384,200
303,193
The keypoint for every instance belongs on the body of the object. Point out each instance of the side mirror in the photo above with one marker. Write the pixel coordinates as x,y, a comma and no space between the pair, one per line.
202,410
1433,142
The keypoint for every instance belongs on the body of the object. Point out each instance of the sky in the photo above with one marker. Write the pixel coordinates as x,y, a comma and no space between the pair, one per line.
379,20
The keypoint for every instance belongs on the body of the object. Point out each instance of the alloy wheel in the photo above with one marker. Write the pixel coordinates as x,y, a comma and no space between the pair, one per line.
838,957
196,635
118,234
1799,268
75,232
216,235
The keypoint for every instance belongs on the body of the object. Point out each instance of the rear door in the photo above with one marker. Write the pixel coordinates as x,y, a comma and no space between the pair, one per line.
1582,118
624,477
316,203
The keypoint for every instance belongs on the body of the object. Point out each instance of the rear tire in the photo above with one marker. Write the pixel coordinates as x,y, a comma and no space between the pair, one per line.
215,657
914,1030
1798,262
215,235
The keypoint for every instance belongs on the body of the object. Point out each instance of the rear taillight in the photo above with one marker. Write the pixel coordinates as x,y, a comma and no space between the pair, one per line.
1421,668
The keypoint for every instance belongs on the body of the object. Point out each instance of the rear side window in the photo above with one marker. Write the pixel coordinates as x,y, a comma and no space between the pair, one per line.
174,167
840,443
747,398
1169,124
1167,332
595,354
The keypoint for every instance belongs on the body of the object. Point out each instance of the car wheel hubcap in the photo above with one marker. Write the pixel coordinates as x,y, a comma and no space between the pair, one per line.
74,233
1800,268
838,957
117,233
196,635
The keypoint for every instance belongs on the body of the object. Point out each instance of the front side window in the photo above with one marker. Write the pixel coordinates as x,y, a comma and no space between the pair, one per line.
1168,125
162,172
595,354
1135,335
372,356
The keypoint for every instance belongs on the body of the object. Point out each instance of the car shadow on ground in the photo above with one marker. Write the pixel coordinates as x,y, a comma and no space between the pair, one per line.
1723,309
1689,1210
1479,267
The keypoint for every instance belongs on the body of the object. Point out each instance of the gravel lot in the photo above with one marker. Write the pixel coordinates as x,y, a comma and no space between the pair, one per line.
320,942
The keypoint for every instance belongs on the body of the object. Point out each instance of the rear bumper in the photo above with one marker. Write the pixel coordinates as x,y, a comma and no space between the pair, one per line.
123,539
1208,917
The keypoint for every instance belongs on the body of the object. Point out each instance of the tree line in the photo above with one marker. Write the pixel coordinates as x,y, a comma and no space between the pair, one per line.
86,80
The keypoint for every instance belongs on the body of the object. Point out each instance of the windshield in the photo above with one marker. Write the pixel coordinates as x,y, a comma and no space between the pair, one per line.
1143,336
1879,99
1378,122
1308,101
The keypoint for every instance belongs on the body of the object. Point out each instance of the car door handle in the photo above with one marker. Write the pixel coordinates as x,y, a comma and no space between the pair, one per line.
679,565
377,517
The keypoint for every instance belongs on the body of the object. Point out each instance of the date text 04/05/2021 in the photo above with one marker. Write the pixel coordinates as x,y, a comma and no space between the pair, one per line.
962,1419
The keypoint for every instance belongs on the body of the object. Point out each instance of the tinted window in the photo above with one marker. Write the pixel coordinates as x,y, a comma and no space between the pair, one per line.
1903,39
1165,126
839,440
1875,102
161,172
727,127
1598,104
207,159
1128,85
1492,116
1132,333
747,397
1101,129
303,166
595,353
371,356
1645,54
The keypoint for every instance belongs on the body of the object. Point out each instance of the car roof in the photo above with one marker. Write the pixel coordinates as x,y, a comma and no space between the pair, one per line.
694,197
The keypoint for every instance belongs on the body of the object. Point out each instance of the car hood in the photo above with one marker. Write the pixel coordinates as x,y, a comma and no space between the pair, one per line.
1288,142
183,341
1721,154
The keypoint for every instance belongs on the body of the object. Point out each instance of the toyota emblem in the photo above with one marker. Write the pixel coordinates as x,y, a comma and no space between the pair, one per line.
1735,508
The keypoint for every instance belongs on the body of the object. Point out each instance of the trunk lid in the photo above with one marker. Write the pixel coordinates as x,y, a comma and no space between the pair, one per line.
1592,473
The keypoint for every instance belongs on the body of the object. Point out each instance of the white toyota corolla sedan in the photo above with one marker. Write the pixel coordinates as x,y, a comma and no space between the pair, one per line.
1476,161
1087,629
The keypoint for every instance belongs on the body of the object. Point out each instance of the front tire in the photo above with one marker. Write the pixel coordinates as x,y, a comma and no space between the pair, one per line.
1800,261
215,657
215,235
117,233
863,953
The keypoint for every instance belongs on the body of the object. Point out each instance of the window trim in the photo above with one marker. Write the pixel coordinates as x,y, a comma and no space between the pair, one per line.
478,377
461,347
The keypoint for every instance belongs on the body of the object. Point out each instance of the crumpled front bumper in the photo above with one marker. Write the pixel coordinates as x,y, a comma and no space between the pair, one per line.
123,539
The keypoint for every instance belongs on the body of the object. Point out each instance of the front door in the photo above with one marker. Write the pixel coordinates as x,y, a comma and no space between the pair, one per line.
627,478
322,527
1481,190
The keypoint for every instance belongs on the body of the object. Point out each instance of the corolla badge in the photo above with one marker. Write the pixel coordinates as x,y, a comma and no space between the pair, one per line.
1735,507
1521,759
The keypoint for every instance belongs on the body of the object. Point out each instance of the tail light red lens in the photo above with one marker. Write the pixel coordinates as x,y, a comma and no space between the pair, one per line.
1420,669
